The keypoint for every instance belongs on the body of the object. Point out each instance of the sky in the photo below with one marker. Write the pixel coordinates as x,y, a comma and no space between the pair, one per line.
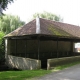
69,10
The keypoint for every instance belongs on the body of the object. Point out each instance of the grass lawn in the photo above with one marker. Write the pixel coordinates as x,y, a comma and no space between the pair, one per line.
22,75
28,74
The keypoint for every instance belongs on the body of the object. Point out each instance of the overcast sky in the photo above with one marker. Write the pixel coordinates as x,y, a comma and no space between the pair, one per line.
69,10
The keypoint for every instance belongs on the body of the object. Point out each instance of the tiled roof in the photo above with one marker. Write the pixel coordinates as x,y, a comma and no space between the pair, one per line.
47,27
29,28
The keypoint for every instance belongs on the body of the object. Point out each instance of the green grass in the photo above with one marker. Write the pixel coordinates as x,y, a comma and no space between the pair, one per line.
22,75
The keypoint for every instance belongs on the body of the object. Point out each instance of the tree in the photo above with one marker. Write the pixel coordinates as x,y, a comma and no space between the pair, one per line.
1,36
48,15
4,4
9,23
2,51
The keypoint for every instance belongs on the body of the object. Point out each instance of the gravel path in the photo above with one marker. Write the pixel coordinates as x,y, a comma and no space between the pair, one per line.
71,73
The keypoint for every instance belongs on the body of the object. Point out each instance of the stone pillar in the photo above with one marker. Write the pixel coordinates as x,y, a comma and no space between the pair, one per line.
6,47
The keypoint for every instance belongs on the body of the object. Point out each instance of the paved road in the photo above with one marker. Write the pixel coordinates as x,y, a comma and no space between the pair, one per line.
72,73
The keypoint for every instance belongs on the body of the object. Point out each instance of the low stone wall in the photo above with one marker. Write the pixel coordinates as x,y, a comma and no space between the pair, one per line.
22,63
51,63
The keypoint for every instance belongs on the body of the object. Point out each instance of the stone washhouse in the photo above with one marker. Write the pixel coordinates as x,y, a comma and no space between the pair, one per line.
29,46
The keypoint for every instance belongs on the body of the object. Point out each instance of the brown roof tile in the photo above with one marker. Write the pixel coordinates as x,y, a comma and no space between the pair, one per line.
47,27
29,28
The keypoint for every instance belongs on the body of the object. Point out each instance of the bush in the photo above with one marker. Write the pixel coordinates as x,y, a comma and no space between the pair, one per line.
2,51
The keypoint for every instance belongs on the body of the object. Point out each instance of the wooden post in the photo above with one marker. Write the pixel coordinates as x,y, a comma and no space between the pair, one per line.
38,48
25,48
72,49
57,47
15,47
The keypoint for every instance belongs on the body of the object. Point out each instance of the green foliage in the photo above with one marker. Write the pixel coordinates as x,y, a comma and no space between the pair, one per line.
8,23
22,75
48,15
2,47
1,37
4,4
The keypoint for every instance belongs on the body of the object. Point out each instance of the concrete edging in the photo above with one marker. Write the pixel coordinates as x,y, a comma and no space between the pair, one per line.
51,63
23,63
